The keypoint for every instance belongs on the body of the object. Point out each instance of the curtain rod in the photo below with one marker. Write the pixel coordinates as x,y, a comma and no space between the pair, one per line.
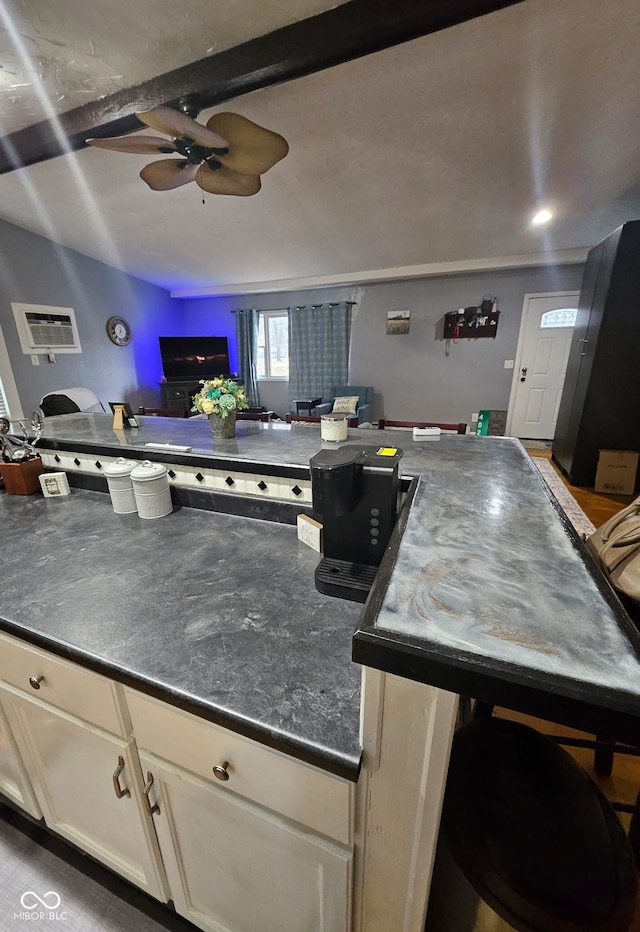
298,307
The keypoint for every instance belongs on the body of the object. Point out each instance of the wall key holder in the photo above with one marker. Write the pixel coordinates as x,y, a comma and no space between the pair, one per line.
459,327
473,323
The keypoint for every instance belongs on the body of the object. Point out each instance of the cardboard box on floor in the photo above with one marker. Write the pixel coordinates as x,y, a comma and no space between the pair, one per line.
616,472
491,423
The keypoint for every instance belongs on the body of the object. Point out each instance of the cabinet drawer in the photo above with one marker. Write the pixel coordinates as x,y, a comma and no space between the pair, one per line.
179,394
64,684
296,790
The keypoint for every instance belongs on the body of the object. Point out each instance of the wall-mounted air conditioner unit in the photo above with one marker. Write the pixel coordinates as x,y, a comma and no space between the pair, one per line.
43,329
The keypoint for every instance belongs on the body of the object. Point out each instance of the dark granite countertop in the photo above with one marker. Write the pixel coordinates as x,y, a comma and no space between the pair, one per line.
485,590
282,446
214,613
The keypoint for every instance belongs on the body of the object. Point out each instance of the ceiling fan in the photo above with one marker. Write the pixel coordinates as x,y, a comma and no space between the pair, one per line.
227,156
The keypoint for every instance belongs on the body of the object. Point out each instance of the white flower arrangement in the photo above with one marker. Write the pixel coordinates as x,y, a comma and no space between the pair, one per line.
219,396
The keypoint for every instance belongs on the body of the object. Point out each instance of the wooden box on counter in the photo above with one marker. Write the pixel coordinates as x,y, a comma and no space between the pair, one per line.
22,478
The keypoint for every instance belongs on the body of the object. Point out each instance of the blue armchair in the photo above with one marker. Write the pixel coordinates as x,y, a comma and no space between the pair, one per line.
364,405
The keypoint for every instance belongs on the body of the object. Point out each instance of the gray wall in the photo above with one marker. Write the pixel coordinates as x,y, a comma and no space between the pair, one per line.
218,315
412,376
33,270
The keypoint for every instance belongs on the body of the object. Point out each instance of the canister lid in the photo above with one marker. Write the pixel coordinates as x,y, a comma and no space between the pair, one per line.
121,467
336,416
148,470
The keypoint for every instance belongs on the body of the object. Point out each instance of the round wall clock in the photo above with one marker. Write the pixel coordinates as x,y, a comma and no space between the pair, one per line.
118,331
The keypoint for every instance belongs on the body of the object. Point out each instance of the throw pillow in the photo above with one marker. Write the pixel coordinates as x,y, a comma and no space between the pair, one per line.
346,404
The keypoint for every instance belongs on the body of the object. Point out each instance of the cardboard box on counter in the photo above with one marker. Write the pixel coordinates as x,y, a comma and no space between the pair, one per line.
616,472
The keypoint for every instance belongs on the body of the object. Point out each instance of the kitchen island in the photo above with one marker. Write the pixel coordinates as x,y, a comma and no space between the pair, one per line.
484,591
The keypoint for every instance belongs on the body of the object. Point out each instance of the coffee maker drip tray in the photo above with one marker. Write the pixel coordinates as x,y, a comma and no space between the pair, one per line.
344,580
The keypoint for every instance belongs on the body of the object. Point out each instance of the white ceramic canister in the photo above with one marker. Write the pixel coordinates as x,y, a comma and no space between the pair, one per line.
120,486
333,427
151,489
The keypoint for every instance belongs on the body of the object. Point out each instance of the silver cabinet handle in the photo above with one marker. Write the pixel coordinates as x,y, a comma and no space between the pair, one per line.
220,771
34,681
145,795
116,780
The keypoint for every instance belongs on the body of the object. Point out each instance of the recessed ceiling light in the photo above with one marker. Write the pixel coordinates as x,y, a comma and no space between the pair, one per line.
543,216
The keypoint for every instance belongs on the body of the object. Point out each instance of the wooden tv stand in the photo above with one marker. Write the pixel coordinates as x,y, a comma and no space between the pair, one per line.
177,395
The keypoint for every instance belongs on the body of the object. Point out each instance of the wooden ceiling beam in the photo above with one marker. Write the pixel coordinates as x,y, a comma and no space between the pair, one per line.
354,29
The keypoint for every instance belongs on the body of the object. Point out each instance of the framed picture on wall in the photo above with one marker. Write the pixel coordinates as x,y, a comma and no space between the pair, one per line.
398,321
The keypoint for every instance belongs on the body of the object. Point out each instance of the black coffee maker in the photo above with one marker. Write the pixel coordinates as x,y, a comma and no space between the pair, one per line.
356,491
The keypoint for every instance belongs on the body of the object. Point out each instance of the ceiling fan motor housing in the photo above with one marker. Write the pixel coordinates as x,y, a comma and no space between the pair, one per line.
226,156
196,154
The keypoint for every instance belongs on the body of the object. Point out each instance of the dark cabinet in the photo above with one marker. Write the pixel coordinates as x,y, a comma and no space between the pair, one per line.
177,395
600,405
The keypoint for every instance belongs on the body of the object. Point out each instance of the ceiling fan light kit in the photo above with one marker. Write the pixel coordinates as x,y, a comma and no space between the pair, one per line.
227,156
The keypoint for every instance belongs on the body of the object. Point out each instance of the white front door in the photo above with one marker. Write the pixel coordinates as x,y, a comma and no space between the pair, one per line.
541,363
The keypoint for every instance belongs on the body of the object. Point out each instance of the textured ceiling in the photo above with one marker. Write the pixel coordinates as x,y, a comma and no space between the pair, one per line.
435,151
56,55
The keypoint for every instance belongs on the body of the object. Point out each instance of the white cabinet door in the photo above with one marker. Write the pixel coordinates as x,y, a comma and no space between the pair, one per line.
73,768
235,867
14,782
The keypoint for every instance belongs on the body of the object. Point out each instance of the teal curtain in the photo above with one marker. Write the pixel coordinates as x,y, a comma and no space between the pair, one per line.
319,336
247,335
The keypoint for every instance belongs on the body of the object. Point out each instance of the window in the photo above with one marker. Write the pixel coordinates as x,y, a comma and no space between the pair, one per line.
273,345
4,407
564,317
9,401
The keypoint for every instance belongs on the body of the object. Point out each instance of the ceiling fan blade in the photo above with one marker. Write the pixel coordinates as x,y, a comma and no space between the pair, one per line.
226,181
168,173
176,124
253,149
139,144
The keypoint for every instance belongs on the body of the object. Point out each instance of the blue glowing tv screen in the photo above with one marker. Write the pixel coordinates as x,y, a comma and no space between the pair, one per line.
194,357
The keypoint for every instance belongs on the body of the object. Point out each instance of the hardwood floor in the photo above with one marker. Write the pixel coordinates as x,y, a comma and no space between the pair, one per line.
596,505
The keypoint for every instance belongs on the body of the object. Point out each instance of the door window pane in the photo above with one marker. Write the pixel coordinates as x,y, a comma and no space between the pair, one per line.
563,317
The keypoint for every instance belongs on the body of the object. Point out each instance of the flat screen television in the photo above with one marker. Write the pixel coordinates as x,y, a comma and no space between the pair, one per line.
194,358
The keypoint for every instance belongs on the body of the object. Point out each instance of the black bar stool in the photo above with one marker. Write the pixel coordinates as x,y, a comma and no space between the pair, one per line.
528,836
